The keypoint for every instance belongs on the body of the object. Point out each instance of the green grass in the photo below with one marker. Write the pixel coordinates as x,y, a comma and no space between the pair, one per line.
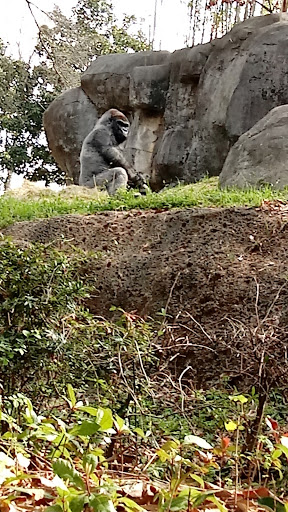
203,194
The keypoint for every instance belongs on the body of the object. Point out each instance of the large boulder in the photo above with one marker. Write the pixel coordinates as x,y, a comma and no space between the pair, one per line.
246,75
67,121
260,155
110,79
187,108
137,84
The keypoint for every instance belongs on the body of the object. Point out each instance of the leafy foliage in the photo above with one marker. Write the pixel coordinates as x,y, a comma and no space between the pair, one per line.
74,466
24,95
92,30
37,287
116,415
121,413
45,334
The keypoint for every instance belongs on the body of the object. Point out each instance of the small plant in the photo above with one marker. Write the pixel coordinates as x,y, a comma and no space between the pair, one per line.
72,459
38,286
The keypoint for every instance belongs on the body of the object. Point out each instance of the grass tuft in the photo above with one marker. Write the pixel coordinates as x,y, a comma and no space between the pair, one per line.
18,205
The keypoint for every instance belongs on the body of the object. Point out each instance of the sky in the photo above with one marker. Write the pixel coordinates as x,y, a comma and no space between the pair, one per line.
18,29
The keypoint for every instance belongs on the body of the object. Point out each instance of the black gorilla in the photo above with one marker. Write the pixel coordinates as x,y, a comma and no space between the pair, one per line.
102,164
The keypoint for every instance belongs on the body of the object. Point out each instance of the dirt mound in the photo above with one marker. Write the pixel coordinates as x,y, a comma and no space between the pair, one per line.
220,273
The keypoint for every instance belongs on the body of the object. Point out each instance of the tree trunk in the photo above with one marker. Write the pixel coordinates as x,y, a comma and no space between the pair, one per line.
7,182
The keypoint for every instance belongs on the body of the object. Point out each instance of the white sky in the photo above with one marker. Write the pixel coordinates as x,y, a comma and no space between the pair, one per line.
18,29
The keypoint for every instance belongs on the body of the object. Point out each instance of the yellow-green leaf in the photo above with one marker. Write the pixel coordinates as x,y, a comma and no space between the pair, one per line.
170,445
71,394
231,426
239,398
218,503
276,454
198,479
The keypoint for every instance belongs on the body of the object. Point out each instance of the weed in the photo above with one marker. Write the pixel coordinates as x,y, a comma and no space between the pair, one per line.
71,458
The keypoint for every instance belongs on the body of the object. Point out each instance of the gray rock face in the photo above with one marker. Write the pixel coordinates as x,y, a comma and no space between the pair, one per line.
260,155
235,89
110,79
67,121
187,109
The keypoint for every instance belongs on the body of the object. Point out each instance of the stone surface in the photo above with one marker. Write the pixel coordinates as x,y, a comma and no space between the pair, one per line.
149,86
232,94
260,155
108,79
67,121
188,108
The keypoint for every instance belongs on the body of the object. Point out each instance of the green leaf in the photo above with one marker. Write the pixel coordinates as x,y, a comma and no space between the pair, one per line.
106,421
217,502
71,395
90,462
198,479
90,410
177,504
231,426
283,449
101,503
276,454
130,504
163,456
140,432
86,428
65,470
189,494
198,441
239,398
198,498
170,445
77,503
119,423
272,504
53,508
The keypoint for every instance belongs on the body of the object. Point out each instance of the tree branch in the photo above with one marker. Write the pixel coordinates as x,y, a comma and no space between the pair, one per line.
264,7
51,56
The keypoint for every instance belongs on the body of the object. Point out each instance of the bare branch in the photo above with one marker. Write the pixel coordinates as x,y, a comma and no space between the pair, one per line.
29,5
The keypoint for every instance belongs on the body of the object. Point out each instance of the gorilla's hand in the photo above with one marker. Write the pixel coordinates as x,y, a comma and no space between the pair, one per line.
139,181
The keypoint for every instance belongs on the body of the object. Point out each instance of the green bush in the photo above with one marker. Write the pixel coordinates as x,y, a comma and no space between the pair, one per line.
48,338
38,287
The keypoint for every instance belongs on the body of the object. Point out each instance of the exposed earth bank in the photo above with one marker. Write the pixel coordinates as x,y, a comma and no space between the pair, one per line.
221,274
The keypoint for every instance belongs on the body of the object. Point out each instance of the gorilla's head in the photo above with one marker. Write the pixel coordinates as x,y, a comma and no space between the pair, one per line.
120,125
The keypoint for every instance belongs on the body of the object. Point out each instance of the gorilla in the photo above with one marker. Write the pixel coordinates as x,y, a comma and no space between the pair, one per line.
102,164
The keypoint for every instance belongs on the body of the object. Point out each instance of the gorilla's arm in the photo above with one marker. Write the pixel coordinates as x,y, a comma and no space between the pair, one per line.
135,179
114,156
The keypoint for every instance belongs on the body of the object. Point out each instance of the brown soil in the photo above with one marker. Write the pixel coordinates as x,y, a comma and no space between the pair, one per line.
220,273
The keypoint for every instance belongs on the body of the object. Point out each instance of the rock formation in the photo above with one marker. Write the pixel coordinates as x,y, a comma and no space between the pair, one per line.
260,156
67,121
187,108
